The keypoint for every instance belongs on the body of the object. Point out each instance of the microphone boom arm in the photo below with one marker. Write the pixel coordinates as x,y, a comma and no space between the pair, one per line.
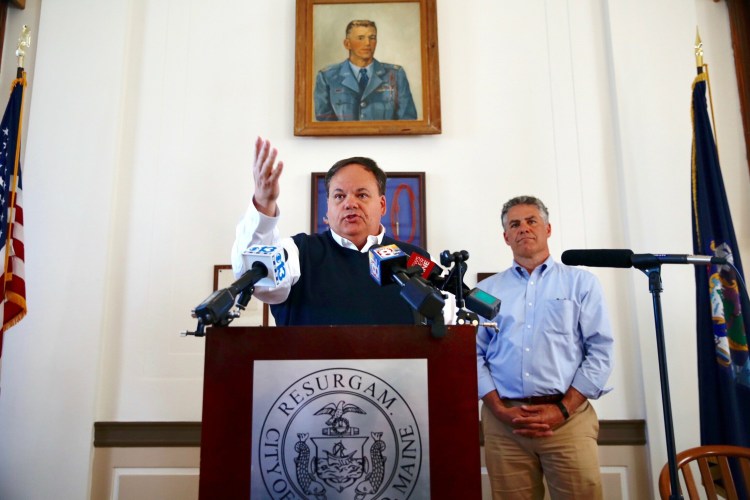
225,305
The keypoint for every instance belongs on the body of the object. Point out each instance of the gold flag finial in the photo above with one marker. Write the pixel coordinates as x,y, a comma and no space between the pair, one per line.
698,49
24,42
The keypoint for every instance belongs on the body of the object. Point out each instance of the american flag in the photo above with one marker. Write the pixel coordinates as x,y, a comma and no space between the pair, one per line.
11,212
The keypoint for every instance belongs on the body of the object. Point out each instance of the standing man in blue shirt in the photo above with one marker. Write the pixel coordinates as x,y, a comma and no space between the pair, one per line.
363,88
552,353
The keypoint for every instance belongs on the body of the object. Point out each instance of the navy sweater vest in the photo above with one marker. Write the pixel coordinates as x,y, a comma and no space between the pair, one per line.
335,287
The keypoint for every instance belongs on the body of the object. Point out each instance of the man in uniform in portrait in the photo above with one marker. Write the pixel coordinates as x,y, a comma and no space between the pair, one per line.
361,87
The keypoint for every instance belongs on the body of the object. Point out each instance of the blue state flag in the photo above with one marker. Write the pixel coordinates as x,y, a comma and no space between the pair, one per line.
723,319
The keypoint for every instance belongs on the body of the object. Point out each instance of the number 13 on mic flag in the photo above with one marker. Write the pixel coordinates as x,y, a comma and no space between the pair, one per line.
11,211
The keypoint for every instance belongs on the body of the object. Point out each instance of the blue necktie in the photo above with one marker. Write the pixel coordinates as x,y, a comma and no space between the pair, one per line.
363,79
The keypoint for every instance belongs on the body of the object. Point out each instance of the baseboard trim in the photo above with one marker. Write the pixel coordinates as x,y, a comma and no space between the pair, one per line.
146,434
622,432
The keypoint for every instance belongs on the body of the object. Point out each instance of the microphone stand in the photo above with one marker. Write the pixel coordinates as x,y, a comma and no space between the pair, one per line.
422,297
458,259
223,306
653,271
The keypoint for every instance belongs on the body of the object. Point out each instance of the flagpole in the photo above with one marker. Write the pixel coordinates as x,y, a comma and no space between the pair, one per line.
24,42
698,51
701,68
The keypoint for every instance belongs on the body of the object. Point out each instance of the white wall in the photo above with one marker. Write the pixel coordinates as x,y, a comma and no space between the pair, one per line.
137,168
51,359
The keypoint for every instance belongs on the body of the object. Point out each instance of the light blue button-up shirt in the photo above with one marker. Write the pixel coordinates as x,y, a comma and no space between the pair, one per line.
554,332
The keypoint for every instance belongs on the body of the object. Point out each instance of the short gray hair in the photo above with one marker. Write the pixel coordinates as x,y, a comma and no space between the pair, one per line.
524,200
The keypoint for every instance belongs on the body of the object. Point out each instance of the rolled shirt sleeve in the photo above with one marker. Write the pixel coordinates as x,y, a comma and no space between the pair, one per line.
591,377
256,228
484,378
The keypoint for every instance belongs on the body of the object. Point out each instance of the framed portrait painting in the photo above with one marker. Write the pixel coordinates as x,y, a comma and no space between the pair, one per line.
404,219
366,67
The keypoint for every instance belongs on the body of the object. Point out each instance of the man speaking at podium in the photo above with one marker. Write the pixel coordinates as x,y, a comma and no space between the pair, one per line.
328,280
551,354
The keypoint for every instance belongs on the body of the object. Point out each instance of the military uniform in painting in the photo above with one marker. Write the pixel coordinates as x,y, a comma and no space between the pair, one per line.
386,97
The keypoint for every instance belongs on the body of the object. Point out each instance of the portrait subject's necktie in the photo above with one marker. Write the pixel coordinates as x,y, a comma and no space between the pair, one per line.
363,79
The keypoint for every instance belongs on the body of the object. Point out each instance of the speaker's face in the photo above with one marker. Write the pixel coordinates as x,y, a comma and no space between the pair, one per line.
355,204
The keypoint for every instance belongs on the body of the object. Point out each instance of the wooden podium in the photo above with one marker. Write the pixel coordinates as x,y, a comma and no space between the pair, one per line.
227,426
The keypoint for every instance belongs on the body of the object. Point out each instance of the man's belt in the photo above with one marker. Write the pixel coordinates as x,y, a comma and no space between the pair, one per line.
537,400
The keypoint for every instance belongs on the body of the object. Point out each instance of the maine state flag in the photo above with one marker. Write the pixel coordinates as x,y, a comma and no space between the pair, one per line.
723,315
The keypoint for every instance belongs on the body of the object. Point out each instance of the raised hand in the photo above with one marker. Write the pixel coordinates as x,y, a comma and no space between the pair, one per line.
266,175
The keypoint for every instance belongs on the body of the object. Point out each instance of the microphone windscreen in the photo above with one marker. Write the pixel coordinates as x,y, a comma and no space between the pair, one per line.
598,258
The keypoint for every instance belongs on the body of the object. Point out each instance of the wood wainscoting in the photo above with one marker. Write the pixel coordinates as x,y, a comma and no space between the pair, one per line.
136,460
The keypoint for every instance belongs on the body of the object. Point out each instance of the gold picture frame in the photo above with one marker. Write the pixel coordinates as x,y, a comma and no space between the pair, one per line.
406,84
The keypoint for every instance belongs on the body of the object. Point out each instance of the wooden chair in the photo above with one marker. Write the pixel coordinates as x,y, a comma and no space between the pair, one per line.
713,465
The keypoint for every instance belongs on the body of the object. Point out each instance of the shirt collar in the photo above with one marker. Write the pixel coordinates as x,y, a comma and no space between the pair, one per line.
540,269
355,69
372,240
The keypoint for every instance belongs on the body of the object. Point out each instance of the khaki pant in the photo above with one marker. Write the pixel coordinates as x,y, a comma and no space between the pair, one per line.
569,459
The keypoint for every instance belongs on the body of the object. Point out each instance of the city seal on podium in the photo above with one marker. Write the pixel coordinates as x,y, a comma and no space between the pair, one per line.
340,433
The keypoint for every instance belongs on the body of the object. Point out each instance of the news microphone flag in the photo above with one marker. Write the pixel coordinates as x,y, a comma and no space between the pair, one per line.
11,211
382,261
423,262
270,256
722,317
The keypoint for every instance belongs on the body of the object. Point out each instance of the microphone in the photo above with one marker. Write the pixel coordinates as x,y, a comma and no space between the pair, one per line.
267,263
598,258
626,258
385,262
423,297
482,303
475,300
447,258
430,270
641,260
267,267
388,265
214,310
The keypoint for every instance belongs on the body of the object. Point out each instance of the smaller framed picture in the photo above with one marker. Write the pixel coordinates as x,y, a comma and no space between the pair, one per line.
257,313
404,219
